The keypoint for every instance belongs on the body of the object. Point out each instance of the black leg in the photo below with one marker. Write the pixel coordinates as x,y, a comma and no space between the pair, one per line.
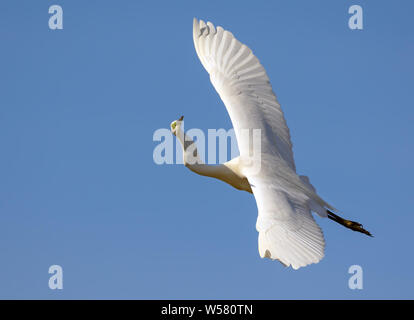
348,223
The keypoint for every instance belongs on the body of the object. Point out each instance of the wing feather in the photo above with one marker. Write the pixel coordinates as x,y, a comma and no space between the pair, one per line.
244,86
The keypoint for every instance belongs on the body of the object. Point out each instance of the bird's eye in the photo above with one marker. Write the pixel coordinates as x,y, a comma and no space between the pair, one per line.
173,125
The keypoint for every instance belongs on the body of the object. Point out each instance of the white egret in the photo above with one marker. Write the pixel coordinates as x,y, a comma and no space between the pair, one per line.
285,200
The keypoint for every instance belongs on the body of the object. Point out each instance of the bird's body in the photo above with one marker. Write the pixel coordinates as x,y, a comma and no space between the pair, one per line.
285,200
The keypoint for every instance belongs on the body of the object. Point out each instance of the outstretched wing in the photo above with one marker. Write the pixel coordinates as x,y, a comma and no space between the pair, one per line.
244,87
287,230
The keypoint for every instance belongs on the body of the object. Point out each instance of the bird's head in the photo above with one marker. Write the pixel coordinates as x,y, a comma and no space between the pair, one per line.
175,125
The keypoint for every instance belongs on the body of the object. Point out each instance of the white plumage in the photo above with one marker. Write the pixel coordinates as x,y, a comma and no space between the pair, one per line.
287,229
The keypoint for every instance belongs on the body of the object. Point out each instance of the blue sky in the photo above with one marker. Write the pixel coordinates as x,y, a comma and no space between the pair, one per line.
79,188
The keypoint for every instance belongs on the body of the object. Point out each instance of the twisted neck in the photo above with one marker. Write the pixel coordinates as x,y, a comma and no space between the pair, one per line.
192,160
228,172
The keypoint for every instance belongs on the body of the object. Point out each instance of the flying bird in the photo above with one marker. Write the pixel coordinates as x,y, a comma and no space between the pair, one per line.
285,200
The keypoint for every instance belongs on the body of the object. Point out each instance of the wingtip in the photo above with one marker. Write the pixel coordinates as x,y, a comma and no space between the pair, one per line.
196,27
